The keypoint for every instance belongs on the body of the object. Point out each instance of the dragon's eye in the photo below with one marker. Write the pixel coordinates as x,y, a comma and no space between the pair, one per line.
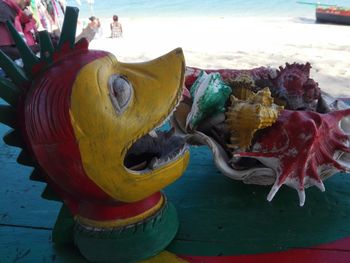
120,91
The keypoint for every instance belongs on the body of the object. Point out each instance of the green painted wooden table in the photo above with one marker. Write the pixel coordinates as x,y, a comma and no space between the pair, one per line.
218,217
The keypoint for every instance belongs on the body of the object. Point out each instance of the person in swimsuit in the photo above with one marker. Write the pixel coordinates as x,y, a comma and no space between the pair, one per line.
116,28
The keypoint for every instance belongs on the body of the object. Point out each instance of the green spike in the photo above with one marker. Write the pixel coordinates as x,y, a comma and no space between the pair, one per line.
9,91
37,176
69,27
26,159
49,194
46,47
63,230
16,74
13,138
8,115
28,57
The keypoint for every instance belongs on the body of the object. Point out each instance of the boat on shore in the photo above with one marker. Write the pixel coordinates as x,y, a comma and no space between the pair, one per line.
334,15
329,13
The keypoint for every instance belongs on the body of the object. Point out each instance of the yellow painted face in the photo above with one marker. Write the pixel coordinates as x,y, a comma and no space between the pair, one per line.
113,105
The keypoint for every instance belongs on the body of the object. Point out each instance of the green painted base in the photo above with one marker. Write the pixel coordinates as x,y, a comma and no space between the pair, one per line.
130,243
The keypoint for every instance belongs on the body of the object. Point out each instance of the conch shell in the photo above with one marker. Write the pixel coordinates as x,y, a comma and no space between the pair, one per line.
242,86
244,118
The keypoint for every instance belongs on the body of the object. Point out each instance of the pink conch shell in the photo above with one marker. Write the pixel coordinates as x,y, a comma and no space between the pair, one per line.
294,85
303,148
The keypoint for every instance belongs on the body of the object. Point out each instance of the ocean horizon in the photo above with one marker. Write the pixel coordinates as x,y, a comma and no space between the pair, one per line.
197,8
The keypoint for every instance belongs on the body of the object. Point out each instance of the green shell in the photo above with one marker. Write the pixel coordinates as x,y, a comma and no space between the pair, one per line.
210,94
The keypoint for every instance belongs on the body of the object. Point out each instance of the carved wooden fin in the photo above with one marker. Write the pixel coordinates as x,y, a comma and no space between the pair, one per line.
17,75
37,176
8,115
9,92
69,27
49,194
46,47
26,159
28,57
13,138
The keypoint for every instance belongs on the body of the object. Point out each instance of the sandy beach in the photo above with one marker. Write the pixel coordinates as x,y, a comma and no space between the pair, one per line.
244,42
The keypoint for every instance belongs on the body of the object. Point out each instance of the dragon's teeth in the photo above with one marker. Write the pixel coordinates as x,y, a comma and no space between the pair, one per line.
154,163
153,134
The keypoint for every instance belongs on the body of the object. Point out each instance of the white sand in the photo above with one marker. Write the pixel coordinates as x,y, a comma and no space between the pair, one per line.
239,43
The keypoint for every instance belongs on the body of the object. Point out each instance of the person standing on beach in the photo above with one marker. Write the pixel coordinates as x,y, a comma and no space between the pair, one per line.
116,28
90,31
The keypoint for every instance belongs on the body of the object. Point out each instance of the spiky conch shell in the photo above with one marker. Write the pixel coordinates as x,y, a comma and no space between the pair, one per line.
242,86
244,118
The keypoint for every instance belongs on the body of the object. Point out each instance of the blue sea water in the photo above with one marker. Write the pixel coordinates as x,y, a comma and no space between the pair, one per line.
193,8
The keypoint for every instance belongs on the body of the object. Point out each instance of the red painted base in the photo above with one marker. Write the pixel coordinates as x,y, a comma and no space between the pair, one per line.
115,211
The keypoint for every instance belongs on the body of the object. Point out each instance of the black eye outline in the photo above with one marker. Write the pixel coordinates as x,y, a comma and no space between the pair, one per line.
120,92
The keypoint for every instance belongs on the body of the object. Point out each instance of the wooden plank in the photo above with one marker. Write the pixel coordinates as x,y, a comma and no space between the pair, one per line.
28,245
33,245
219,216
21,202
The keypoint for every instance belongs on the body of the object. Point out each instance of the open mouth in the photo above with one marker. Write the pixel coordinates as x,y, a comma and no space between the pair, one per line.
158,148
155,150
